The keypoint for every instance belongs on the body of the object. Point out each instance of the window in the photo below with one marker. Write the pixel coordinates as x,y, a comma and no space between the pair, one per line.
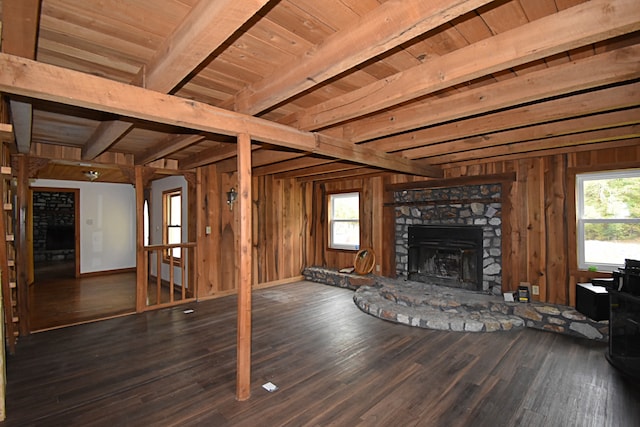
344,221
608,218
172,221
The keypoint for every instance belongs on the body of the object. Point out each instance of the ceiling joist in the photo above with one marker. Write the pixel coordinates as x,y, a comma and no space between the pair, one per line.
32,79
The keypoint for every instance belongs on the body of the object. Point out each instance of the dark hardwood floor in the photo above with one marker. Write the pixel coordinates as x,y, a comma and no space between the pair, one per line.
333,364
57,298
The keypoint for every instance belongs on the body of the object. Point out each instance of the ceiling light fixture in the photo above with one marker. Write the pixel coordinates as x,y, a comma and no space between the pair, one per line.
92,175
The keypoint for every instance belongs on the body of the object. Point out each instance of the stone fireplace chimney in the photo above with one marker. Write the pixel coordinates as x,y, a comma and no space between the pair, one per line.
475,206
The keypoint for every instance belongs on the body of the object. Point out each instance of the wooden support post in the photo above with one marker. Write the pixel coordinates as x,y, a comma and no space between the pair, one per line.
243,387
141,276
22,196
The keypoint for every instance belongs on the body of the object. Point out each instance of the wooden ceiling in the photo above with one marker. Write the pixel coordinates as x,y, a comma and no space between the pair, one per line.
330,88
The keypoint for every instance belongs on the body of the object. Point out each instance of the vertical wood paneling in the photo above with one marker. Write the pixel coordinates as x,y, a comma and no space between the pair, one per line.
510,238
387,258
535,224
378,244
229,235
291,222
556,225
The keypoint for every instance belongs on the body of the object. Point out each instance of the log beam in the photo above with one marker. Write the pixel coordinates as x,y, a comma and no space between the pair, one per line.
37,80
574,27
205,28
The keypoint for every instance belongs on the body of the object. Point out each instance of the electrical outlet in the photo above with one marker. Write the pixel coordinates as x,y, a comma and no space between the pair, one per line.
535,290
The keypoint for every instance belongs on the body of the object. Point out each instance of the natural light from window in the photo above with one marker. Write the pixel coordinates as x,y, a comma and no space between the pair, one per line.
344,221
608,219
173,219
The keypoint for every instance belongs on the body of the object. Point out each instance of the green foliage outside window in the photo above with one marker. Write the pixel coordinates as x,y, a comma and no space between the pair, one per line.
617,198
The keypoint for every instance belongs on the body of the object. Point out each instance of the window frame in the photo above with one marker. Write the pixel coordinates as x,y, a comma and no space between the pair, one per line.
330,221
167,196
581,221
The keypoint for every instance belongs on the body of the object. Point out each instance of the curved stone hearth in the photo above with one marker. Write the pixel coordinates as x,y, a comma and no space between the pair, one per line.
439,307
436,307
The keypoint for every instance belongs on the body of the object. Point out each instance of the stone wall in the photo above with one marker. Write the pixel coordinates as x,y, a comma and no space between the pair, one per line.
51,209
478,205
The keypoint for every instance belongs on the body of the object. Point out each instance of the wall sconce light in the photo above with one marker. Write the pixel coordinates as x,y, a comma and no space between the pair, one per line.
231,197
92,175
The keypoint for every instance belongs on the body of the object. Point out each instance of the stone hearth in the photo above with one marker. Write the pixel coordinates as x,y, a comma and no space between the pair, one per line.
444,308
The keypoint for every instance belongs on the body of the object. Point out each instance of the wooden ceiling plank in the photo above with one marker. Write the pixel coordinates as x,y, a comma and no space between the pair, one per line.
584,138
318,169
205,28
19,37
387,26
169,145
608,99
208,25
20,19
105,135
355,172
595,21
295,164
599,70
212,155
545,130
618,143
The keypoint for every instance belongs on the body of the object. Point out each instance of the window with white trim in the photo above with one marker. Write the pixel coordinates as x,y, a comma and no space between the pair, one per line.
608,218
344,221
172,221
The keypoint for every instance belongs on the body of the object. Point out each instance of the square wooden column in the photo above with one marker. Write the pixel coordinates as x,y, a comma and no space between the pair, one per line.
243,378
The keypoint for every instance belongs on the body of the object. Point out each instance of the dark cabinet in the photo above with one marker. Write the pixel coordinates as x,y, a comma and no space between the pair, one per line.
624,332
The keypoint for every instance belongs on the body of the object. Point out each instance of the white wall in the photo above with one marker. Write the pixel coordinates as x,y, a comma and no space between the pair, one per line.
107,223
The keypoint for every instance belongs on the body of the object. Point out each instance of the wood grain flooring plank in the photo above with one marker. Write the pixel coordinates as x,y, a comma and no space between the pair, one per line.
333,364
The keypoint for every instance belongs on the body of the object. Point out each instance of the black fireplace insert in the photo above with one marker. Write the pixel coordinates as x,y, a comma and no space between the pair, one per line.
446,255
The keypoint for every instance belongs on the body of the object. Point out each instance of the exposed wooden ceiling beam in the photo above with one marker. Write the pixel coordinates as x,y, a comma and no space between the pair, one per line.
584,138
569,149
389,25
167,146
606,68
596,101
574,126
315,168
208,25
260,158
212,155
358,172
295,166
574,27
19,37
33,79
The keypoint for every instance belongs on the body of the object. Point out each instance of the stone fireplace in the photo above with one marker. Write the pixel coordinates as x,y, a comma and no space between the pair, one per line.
446,255
476,207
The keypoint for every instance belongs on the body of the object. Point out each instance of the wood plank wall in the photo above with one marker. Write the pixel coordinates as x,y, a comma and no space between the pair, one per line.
280,231
539,237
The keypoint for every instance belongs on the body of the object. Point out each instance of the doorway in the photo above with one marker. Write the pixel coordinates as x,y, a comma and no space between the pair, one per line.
55,233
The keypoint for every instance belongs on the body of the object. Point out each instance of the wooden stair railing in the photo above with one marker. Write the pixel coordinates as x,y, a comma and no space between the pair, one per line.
8,275
163,288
